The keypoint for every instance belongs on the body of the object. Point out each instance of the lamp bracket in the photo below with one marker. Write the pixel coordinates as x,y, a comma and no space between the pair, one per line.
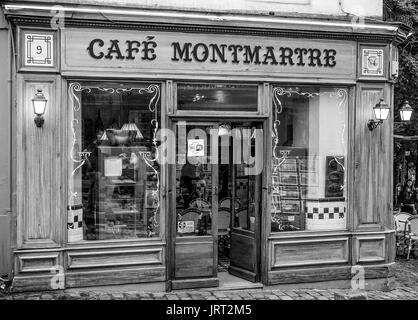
373,124
39,121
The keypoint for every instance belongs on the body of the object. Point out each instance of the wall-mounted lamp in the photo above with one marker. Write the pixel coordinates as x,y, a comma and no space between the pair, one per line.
381,112
406,111
39,105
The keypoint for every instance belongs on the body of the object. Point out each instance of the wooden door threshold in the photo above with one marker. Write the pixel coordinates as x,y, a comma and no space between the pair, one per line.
194,283
228,281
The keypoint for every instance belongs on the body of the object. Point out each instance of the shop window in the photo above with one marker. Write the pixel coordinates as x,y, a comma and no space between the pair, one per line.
216,97
309,142
114,175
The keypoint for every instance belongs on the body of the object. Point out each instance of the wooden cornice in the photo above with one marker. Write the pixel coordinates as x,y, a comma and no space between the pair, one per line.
196,28
192,22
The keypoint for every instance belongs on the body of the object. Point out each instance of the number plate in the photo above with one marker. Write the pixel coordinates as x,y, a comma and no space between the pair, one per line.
39,50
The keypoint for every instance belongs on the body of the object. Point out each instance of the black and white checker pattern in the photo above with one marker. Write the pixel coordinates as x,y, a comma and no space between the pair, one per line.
75,217
332,212
76,221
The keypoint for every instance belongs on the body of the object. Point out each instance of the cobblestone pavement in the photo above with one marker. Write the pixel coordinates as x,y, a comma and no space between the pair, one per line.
401,293
406,273
405,288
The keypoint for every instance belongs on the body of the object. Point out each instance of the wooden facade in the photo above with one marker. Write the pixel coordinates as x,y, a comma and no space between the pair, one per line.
43,255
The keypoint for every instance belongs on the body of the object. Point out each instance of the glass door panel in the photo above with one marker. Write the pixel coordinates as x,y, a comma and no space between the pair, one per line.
246,193
196,204
194,182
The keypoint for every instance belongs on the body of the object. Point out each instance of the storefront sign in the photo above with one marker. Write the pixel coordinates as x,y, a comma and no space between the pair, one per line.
213,53
177,53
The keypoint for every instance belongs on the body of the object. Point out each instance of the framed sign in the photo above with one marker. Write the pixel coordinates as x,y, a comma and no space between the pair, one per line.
185,226
38,49
373,61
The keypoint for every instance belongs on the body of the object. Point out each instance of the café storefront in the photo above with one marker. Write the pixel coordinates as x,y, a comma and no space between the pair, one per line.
169,153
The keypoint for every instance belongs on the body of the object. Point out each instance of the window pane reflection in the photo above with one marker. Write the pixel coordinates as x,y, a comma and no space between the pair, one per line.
114,176
217,97
193,181
309,159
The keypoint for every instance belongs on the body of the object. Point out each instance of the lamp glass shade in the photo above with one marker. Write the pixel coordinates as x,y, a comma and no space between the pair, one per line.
406,115
406,111
132,126
104,137
381,110
39,107
39,103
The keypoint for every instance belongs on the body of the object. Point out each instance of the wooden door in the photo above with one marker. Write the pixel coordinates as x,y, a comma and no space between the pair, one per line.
245,223
196,206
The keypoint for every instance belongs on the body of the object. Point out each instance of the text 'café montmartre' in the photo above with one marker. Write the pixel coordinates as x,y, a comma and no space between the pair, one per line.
224,53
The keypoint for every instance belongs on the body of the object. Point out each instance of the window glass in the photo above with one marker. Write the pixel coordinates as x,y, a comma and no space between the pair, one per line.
244,185
114,178
216,97
309,141
236,192
194,180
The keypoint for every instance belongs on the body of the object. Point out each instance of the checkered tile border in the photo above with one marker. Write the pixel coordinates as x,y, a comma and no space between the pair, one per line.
75,218
325,216
325,212
76,222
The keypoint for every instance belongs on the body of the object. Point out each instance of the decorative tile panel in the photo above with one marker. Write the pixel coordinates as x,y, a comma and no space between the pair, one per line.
39,50
372,62
325,215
